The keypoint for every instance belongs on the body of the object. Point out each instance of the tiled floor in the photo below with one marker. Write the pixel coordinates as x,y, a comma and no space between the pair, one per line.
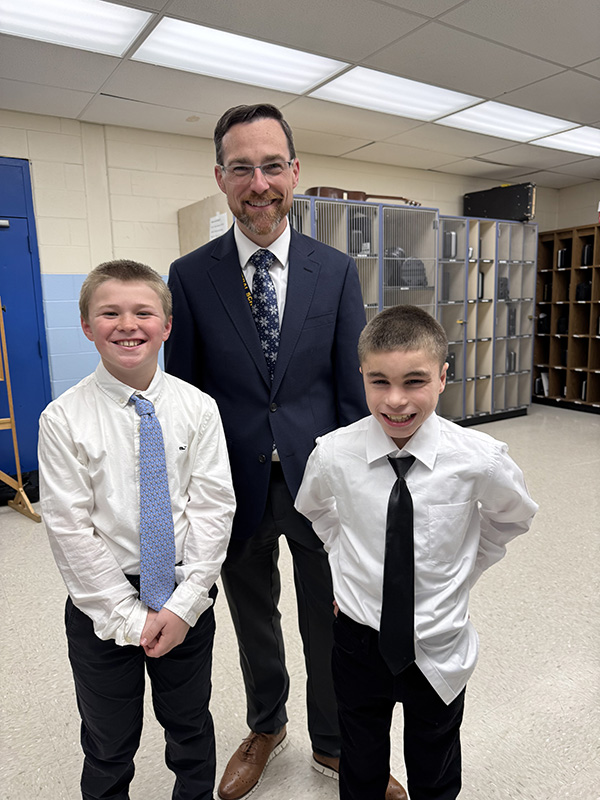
532,722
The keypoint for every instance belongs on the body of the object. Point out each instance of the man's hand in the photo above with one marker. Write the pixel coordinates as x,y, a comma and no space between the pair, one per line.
163,631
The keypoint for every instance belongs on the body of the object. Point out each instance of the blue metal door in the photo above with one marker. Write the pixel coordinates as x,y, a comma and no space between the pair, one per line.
20,292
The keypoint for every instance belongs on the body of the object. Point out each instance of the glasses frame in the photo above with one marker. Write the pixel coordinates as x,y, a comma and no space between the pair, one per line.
248,178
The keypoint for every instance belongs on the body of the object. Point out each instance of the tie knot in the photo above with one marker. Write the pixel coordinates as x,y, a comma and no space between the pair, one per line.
401,465
142,406
262,259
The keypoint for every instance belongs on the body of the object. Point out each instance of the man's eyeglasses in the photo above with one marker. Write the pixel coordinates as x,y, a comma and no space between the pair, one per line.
245,172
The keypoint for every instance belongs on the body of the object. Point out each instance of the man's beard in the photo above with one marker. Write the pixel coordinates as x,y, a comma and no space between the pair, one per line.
264,222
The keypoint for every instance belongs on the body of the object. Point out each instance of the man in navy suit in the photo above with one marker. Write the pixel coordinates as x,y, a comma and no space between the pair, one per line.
276,394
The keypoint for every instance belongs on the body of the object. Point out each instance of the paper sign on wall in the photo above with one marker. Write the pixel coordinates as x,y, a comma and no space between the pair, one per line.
218,226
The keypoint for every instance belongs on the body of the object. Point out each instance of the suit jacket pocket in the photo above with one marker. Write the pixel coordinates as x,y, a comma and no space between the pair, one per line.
320,319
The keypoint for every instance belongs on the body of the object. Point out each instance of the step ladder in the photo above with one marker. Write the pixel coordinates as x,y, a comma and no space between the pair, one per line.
20,502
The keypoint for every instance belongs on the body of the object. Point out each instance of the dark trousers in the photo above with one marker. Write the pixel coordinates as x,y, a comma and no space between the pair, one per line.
367,693
253,586
109,685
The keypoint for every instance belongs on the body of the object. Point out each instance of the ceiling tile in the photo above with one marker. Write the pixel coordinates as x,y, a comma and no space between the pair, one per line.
175,89
131,114
590,168
568,95
456,53
146,5
321,115
53,65
35,99
431,8
480,169
449,140
551,180
325,144
549,29
344,29
592,68
531,156
413,157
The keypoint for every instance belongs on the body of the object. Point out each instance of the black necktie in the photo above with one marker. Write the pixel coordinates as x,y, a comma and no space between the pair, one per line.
396,630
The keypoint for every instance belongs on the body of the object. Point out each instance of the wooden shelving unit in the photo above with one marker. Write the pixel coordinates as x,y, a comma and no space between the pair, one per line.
567,339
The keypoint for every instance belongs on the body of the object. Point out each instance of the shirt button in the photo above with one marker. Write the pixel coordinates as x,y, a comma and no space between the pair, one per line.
273,407
262,458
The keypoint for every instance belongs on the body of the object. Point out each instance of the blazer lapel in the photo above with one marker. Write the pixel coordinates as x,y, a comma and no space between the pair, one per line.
302,280
226,276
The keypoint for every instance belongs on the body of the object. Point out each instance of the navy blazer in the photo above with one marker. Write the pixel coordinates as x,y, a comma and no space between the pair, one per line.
316,387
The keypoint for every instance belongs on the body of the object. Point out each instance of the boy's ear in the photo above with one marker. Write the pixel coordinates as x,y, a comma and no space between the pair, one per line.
443,377
85,327
167,330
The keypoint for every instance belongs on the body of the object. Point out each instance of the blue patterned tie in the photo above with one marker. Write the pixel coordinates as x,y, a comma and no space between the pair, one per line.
157,538
264,306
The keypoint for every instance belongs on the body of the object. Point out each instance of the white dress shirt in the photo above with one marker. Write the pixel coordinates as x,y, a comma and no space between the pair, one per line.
469,499
89,490
279,268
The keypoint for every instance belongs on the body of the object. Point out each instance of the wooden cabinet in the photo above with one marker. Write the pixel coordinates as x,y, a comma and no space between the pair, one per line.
567,337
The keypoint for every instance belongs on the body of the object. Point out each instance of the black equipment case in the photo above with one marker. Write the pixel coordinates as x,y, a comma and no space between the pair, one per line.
515,202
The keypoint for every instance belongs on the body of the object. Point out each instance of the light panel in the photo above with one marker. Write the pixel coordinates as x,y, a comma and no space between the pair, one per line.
378,91
207,51
507,122
579,140
85,24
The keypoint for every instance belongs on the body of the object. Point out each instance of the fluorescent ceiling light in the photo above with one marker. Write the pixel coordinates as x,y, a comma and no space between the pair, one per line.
207,51
378,91
579,140
507,122
85,24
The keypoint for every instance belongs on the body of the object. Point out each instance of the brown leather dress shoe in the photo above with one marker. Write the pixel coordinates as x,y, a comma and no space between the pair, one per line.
245,769
327,765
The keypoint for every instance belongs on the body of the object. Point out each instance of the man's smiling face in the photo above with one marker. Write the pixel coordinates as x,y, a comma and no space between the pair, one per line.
260,205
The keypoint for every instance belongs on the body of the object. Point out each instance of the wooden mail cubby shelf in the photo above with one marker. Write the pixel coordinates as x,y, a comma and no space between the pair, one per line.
567,338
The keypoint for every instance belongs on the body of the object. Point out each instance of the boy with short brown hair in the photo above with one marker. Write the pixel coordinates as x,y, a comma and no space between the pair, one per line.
453,499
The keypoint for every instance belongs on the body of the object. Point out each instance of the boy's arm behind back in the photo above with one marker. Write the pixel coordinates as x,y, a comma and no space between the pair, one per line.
506,511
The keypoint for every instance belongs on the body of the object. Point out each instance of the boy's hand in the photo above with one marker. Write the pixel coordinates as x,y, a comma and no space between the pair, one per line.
163,631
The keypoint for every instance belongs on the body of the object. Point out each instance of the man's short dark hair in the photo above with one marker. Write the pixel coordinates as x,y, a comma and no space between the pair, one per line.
240,114
404,328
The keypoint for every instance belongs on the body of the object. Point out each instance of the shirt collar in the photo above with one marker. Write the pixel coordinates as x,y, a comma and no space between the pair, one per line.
121,392
280,247
423,445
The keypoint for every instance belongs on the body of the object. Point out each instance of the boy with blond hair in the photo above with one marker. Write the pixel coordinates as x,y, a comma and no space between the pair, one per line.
138,503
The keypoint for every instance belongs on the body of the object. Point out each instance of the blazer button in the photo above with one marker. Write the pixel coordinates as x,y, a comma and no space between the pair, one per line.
273,407
262,458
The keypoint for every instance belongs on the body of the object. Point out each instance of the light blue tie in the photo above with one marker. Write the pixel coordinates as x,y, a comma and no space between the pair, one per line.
264,307
157,538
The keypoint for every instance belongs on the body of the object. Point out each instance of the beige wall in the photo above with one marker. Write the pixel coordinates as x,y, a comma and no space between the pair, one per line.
104,192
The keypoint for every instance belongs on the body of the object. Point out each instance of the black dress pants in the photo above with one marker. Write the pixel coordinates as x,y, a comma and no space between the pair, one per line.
109,685
367,693
252,584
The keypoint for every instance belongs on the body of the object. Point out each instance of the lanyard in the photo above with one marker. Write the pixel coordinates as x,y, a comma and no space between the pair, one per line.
247,290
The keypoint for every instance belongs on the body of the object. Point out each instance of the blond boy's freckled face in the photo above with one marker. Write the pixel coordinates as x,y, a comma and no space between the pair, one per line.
402,389
127,324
